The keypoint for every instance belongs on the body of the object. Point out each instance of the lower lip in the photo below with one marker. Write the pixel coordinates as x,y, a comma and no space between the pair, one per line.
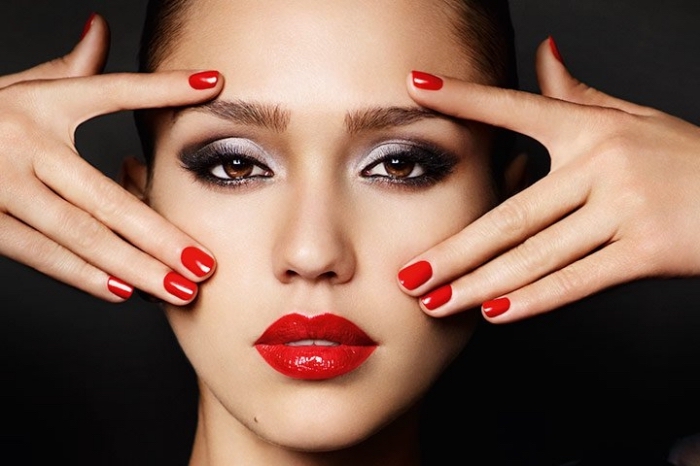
311,362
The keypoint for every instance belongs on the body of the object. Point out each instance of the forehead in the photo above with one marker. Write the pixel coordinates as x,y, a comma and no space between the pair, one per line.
277,44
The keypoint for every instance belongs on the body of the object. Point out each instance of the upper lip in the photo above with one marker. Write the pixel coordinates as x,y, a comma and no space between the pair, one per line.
328,327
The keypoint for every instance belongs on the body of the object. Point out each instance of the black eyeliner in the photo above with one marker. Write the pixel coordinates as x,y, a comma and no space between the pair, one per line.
200,159
437,163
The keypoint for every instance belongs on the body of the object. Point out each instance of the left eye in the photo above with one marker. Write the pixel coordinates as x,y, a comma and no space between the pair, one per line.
237,168
395,167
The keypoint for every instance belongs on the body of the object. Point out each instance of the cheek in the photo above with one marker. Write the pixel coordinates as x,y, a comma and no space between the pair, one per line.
406,226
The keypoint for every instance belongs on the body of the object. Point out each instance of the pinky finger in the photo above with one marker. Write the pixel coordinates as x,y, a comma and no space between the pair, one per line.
23,244
600,270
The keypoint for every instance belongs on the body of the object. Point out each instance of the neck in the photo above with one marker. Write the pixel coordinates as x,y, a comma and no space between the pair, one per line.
221,440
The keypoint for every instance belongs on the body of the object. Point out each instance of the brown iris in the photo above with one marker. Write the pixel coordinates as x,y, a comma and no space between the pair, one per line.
398,168
238,168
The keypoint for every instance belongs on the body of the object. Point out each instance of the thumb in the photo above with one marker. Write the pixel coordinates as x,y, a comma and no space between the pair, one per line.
87,58
555,81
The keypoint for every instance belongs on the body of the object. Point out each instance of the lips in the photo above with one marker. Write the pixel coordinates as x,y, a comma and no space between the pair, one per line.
314,348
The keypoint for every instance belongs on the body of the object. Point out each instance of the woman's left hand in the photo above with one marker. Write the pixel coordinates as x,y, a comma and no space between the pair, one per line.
621,200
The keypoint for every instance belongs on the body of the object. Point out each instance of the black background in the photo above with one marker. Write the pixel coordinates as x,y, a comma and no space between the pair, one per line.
95,383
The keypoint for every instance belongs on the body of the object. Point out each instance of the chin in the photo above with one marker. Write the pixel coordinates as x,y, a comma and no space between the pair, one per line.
326,421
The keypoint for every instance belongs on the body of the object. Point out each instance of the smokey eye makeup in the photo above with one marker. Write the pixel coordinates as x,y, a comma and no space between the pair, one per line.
235,162
226,162
409,164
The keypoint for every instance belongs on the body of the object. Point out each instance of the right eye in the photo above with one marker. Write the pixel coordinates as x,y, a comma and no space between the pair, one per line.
238,168
227,162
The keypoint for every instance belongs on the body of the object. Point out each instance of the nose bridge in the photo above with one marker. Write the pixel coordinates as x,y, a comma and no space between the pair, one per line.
313,243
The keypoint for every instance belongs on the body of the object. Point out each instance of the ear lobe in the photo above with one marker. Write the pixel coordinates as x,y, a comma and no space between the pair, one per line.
516,175
134,177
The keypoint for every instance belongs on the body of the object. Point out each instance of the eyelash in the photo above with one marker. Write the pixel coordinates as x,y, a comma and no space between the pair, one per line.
205,161
435,164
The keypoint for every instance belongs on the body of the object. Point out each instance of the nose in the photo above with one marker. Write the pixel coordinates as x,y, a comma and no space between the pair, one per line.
313,242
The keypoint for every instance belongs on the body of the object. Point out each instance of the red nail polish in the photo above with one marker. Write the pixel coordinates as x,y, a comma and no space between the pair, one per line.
88,25
555,50
437,298
119,288
179,286
426,81
197,261
496,307
415,275
204,80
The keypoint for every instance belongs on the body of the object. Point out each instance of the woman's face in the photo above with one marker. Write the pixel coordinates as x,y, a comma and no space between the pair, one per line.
313,178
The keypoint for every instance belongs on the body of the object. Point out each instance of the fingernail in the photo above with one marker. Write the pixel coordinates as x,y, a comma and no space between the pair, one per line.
204,80
119,288
88,25
496,307
555,50
179,286
415,275
426,81
437,298
197,261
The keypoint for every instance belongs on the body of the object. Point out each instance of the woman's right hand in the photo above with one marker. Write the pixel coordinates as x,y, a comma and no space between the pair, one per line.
63,217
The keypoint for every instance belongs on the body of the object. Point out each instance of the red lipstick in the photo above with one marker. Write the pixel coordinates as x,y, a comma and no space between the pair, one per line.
314,348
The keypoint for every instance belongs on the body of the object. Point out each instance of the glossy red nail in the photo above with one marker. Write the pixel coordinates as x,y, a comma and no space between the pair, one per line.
204,80
179,286
88,25
197,261
496,307
437,298
555,50
119,288
426,81
415,275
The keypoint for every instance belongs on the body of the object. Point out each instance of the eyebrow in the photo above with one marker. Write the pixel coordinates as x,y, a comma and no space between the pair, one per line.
276,118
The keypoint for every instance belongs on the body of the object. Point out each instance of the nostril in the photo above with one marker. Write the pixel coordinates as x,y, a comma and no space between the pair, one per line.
328,276
325,276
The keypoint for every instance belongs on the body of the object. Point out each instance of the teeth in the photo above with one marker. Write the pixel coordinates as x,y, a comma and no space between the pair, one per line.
312,343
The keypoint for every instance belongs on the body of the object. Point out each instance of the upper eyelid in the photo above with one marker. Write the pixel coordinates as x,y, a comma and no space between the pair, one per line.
422,146
191,155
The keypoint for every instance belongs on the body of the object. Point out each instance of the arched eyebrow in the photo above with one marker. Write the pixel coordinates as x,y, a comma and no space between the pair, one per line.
272,117
374,118
276,118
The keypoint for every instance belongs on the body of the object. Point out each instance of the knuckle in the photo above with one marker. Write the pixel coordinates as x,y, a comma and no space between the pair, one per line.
528,254
511,218
84,233
111,205
567,281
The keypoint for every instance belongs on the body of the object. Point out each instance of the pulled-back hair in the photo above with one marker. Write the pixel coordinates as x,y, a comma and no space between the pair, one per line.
483,26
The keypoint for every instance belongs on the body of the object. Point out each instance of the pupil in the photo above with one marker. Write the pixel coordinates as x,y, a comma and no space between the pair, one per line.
398,168
238,168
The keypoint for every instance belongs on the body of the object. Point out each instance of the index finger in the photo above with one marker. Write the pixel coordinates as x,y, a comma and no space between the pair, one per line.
83,98
539,117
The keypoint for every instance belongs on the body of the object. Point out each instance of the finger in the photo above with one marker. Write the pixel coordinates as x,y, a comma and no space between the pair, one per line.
603,269
91,240
84,98
555,81
88,57
27,246
554,248
87,188
502,228
549,121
